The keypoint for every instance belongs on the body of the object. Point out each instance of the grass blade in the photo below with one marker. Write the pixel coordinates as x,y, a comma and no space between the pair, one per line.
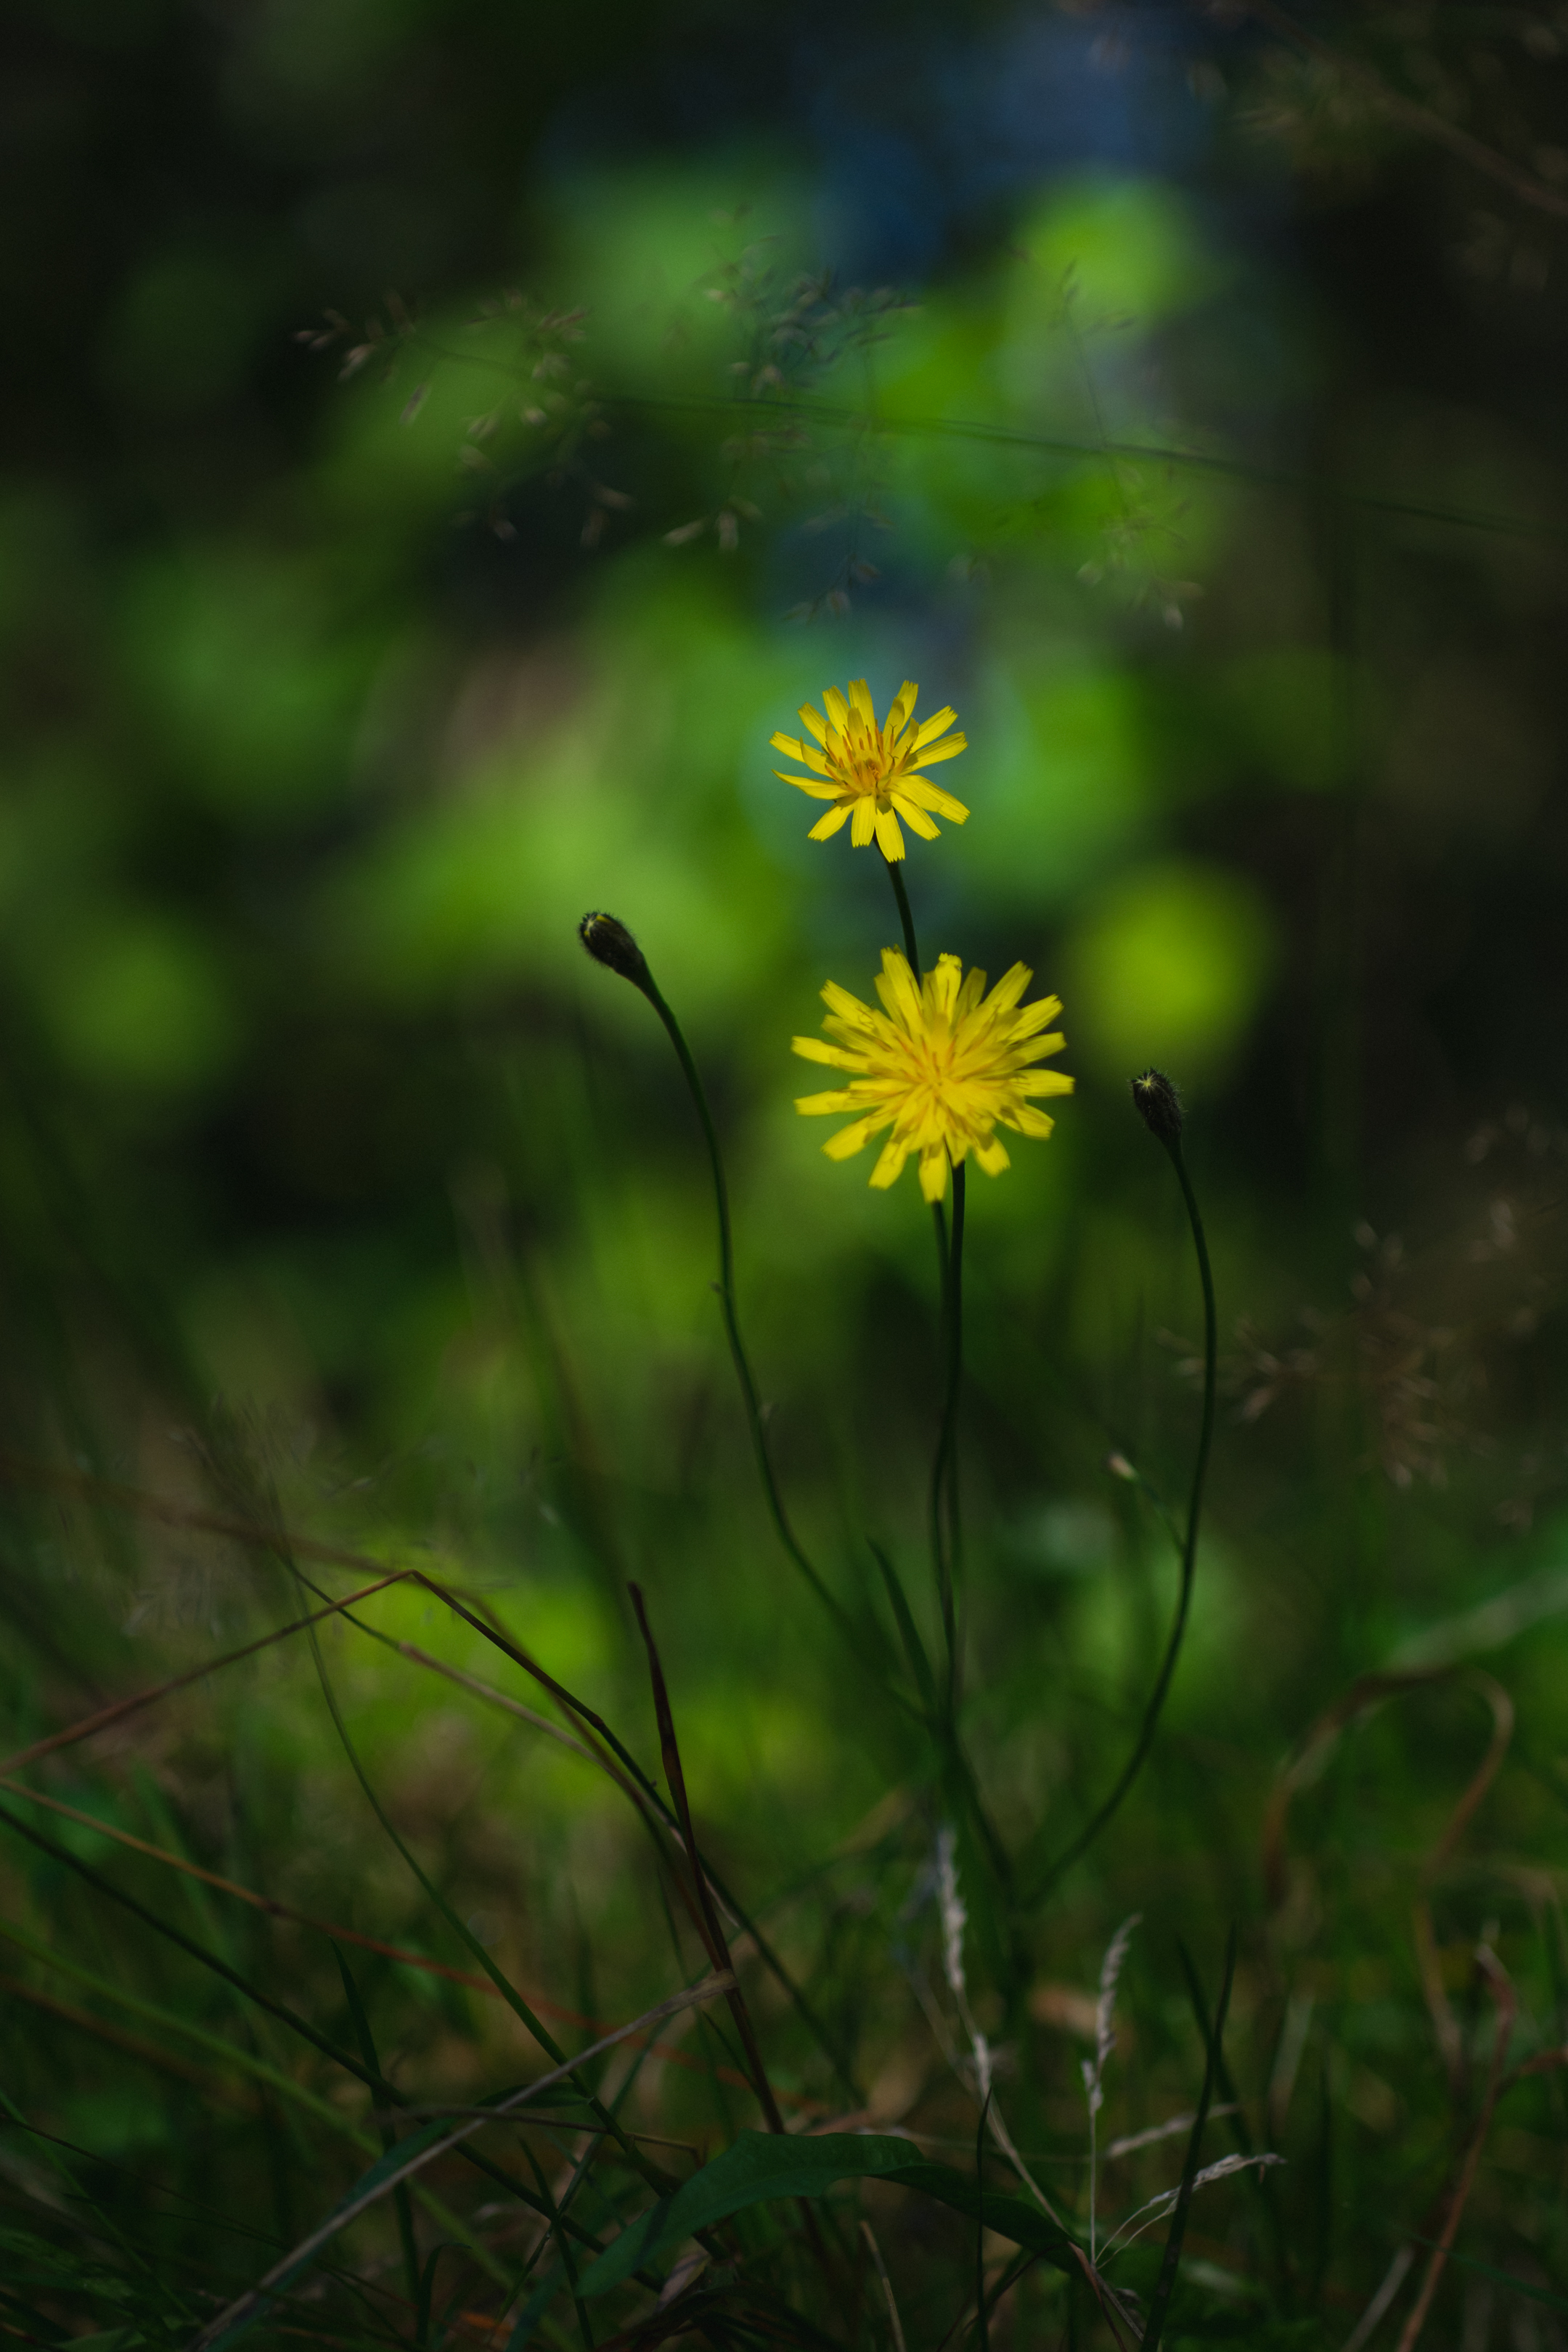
401,2205
1165,2285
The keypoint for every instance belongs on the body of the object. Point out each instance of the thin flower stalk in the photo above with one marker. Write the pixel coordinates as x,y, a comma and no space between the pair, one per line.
1160,1107
942,1065
610,943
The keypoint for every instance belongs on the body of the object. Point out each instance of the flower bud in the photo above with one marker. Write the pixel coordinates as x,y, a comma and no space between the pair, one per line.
609,942
1158,1105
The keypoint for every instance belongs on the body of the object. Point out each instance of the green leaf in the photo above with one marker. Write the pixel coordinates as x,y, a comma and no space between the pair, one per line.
763,2164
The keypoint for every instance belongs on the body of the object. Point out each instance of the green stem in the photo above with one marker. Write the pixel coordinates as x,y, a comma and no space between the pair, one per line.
749,1397
1136,1762
947,1542
901,898
946,1545
912,950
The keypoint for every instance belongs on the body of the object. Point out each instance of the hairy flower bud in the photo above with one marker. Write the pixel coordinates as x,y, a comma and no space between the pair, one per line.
1158,1105
609,942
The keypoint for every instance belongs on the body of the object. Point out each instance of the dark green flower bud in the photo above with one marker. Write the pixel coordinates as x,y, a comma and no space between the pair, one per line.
610,943
1158,1105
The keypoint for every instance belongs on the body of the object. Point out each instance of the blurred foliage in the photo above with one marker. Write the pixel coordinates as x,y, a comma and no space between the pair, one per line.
445,443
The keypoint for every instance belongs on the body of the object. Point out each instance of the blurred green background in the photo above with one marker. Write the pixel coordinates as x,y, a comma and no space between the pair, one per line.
445,441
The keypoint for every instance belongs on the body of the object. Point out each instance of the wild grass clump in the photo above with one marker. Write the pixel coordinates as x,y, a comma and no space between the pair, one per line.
385,1976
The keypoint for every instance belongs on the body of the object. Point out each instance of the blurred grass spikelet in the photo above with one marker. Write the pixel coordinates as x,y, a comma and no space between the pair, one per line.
944,1066
870,774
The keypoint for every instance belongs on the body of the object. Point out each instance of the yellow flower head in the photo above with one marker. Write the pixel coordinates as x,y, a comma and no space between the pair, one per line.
943,1066
869,772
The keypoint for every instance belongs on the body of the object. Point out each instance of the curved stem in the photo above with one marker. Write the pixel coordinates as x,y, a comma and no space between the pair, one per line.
749,1397
947,1541
912,950
1136,1762
944,1544
901,899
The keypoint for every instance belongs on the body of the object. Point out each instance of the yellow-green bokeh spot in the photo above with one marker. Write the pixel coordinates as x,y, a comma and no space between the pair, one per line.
1129,249
619,794
644,251
252,673
1100,258
136,999
1170,966
1065,778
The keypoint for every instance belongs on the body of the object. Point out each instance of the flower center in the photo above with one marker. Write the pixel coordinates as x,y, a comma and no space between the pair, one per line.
866,768
932,1057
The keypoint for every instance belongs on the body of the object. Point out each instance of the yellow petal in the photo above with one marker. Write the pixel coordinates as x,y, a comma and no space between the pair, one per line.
942,985
1011,987
1030,1122
848,1008
1045,1082
851,1139
860,701
993,1156
933,1173
920,790
937,724
865,823
817,1049
813,720
838,709
821,1105
813,787
890,840
948,750
970,995
891,1165
898,711
896,987
826,826
914,816
806,753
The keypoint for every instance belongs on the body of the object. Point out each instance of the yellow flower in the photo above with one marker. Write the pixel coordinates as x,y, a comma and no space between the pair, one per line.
869,772
944,1066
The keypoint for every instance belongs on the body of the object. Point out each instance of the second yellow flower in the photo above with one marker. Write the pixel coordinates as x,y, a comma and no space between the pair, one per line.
871,773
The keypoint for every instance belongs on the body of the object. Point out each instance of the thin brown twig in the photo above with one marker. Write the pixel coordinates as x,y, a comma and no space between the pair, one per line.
277,1910
106,1716
1439,2007
1507,2006
429,2153
591,1726
1450,2040
1366,1692
1458,1821
132,1499
112,1496
118,2039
